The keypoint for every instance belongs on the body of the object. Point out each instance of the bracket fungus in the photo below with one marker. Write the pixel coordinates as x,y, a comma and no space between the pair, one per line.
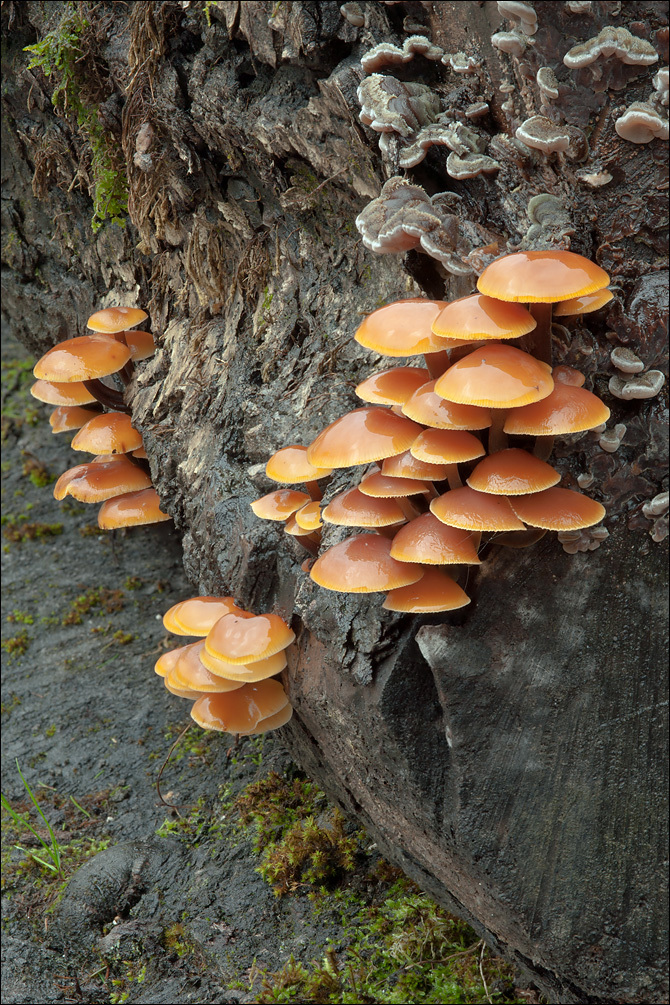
641,123
640,385
390,105
520,13
386,53
611,41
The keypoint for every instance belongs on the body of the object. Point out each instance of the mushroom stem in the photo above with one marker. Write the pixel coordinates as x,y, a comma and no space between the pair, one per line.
437,362
107,396
538,342
453,477
310,543
410,510
497,435
127,372
543,447
315,492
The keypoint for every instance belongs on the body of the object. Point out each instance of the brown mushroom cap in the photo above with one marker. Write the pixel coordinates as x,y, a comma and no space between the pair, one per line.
496,376
381,486
131,510
88,357
428,541
67,418
109,433
563,374
309,517
428,408
353,509
568,409
52,393
392,387
295,529
181,692
471,510
240,711
100,480
402,328
140,454
290,466
479,317
245,640
361,436
167,661
558,509
363,564
583,305
541,277
197,615
279,505
435,591
280,718
512,472
141,344
115,319
446,446
405,466
252,673
190,672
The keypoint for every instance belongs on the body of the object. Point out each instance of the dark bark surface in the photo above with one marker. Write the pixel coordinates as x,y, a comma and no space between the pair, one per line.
510,758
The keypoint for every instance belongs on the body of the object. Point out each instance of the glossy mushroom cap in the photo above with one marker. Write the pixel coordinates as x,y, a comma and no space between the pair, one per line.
259,670
428,541
279,505
290,466
541,277
496,376
446,446
361,436
392,387
583,305
405,466
435,591
109,433
428,408
190,673
131,510
512,472
563,374
568,409
52,393
88,357
558,509
381,486
479,317
197,615
115,319
245,640
309,517
67,418
240,711
168,661
363,564
354,509
402,328
141,344
471,510
100,480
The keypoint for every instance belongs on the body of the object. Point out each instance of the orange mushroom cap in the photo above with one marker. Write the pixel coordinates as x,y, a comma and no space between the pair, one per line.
428,541
428,408
512,472
131,510
140,453
558,509
541,277
141,344
271,722
197,615
109,433
496,376
479,317
405,466
361,436
240,711
100,480
584,304
363,564
190,672
53,393
239,671
354,509
295,529
435,591
309,517
446,446
87,357
167,661
115,319
290,466
245,640
402,328
279,505
563,374
392,387
568,409
66,418
471,510
381,486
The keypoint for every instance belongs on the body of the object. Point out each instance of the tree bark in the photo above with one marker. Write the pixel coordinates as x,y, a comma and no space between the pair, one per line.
511,757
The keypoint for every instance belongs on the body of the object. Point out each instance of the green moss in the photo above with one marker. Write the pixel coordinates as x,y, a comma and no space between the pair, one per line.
17,645
18,533
36,471
19,618
105,600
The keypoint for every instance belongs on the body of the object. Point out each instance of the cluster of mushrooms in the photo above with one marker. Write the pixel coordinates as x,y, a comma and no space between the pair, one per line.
481,410
72,376
229,673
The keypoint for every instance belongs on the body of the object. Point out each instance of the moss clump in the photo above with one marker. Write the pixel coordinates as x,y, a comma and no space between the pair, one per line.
105,600
36,471
18,533
17,645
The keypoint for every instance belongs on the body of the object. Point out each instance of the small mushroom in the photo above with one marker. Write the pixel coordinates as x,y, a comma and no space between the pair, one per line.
611,439
86,359
428,541
58,393
626,360
110,433
475,511
97,481
522,13
197,615
547,82
558,509
251,709
510,42
428,408
512,472
354,509
116,319
247,640
132,509
363,564
362,436
435,591
641,123
644,385
611,41
67,418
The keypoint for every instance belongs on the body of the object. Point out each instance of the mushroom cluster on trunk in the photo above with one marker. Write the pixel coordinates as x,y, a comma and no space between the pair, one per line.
448,444
72,377
229,674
